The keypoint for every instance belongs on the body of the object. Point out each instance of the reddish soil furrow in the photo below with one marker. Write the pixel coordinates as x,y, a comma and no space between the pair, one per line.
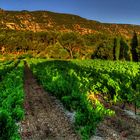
45,118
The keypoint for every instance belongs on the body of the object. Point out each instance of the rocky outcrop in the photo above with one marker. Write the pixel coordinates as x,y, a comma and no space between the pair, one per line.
44,21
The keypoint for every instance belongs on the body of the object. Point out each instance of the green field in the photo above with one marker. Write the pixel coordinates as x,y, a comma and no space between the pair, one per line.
83,86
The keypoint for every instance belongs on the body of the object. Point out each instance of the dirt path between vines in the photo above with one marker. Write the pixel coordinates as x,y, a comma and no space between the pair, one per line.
45,118
122,126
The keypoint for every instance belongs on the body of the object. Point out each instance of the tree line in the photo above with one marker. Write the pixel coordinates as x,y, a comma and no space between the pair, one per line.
126,51
67,45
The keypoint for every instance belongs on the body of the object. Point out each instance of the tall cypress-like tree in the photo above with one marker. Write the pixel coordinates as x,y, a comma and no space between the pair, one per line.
138,51
129,54
123,49
134,45
116,49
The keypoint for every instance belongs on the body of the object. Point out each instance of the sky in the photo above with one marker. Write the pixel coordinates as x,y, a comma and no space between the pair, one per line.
108,11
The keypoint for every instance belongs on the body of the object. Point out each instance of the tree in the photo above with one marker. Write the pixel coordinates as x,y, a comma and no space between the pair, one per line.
125,53
71,42
116,49
134,45
138,51
104,51
129,54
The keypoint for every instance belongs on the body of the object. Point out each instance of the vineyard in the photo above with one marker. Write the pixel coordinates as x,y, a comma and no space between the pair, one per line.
89,89
11,99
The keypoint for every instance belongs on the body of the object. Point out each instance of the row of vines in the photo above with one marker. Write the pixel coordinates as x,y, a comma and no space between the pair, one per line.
78,83
118,81
11,99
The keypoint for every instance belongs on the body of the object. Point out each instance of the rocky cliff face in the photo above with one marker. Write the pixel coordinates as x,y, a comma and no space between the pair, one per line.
44,21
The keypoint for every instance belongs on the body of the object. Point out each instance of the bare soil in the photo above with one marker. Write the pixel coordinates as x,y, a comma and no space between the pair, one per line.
120,127
45,118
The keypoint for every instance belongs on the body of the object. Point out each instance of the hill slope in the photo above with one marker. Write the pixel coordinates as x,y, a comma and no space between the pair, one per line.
45,20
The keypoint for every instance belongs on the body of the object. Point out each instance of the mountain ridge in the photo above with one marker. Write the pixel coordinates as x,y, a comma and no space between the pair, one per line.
41,20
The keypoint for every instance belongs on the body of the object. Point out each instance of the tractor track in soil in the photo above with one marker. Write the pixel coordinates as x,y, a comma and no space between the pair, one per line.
45,118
